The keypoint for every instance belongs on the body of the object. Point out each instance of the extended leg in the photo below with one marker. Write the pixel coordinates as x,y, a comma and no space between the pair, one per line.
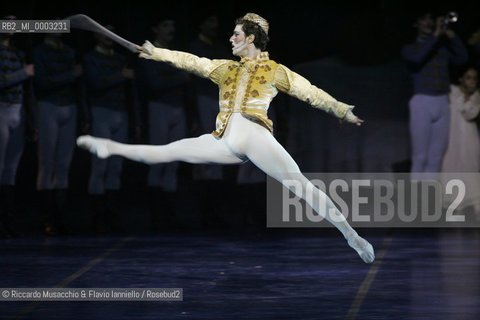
203,149
265,152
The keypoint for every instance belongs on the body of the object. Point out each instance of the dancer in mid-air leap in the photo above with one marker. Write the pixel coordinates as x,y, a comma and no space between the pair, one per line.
243,130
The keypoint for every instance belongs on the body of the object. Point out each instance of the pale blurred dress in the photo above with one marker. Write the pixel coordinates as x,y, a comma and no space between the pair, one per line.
463,151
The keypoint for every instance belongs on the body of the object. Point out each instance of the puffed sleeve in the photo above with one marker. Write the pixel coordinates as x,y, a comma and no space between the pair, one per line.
297,86
203,67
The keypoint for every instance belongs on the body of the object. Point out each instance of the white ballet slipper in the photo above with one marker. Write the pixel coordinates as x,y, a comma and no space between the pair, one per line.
97,146
362,246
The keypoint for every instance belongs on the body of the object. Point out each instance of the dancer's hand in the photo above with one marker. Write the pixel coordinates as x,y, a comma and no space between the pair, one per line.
350,117
358,121
146,50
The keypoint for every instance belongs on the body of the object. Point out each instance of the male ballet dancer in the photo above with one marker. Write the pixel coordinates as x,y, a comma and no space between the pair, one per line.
243,130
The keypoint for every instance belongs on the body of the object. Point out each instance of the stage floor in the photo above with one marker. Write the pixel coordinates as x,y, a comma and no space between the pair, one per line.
417,275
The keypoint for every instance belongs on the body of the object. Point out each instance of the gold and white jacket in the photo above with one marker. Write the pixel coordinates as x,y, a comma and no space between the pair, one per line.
248,86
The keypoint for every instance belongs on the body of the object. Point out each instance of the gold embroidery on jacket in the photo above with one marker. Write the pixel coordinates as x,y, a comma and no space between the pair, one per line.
247,87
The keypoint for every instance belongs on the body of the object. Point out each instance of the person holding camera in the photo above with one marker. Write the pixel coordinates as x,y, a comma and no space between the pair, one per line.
429,57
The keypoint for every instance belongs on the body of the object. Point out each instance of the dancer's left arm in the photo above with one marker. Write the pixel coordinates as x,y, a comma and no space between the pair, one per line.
295,85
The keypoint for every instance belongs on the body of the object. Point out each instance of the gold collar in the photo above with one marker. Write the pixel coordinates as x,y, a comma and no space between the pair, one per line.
262,57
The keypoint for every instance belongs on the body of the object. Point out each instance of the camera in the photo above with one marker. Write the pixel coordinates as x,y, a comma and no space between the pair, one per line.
450,17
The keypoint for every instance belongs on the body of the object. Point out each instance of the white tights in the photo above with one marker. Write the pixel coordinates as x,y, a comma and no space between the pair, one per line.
243,139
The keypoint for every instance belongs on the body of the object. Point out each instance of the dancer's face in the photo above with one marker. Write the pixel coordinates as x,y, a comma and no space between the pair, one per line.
239,42
469,81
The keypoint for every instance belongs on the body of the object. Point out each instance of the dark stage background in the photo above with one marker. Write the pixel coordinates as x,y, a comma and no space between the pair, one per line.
348,48
241,269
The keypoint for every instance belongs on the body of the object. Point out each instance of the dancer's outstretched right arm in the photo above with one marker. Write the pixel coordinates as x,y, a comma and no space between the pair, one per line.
203,67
